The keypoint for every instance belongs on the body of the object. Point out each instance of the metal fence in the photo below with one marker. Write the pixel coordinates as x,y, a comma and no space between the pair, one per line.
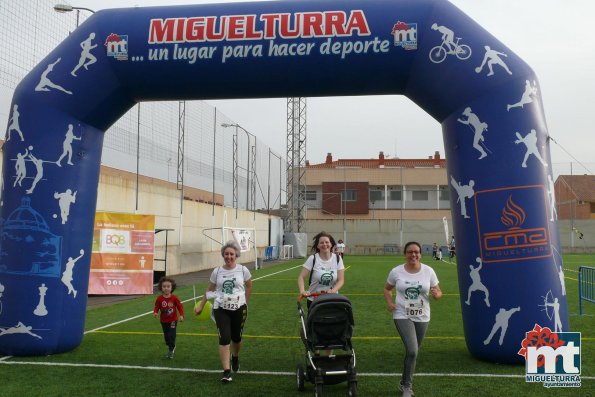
145,140
586,286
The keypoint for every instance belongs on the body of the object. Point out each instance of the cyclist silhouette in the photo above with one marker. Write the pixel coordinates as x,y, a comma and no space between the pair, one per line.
448,46
448,36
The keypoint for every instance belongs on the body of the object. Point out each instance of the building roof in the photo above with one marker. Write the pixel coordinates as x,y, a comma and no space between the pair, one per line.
583,186
381,162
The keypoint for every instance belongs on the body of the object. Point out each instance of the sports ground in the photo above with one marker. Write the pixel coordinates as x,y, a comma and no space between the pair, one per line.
123,353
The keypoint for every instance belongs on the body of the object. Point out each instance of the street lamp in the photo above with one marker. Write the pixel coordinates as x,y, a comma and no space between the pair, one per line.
237,126
62,8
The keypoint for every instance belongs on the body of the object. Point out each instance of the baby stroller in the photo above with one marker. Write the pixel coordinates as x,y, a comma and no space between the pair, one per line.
328,325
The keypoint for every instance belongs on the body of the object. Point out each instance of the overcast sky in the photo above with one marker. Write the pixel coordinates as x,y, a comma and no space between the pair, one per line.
555,37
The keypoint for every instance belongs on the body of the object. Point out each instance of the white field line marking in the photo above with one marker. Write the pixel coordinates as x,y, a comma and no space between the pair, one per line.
184,301
274,373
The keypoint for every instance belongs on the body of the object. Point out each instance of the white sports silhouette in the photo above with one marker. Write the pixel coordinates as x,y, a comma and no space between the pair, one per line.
492,57
86,57
476,284
464,192
478,128
502,319
45,83
530,141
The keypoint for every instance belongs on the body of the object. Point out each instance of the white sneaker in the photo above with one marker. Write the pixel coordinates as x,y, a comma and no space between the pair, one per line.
407,390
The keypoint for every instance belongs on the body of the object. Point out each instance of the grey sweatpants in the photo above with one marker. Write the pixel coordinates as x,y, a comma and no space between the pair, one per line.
412,334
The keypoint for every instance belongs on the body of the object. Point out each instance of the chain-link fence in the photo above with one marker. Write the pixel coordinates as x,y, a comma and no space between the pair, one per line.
180,142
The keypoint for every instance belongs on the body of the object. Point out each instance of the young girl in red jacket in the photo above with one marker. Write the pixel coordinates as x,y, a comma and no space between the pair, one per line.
169,305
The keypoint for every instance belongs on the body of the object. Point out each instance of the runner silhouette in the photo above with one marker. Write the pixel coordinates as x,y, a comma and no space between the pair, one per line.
86,57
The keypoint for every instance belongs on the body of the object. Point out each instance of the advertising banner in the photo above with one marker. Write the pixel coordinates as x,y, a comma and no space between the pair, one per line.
242,237
123,250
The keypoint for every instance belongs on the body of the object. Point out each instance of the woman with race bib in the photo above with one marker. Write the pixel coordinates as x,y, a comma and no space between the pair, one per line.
324,269
414,283
231,286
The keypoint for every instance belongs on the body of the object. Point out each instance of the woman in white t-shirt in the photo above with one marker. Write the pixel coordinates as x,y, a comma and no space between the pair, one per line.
341,248
231,285
324,269
414,283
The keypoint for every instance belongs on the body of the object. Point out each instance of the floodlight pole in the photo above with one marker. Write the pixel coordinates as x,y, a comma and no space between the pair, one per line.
237,126
280,176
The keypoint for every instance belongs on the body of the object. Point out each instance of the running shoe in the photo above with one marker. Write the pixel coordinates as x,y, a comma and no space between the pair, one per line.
226,376
235,363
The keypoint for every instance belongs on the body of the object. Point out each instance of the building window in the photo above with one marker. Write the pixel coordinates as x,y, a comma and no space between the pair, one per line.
395,195
419,195
376,195
444,193
349,195
310,195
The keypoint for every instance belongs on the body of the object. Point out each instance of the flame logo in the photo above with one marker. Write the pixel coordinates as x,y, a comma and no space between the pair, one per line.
513,216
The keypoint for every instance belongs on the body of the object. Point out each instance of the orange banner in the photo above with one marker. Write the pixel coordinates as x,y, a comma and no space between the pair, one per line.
123,250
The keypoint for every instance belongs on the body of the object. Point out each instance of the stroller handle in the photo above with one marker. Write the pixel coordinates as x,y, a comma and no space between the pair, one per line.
313,295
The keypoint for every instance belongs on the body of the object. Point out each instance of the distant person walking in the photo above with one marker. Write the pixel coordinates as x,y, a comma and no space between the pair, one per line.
452,248
341,246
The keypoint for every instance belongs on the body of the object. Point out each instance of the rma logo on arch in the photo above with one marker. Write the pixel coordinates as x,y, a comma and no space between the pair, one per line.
553,358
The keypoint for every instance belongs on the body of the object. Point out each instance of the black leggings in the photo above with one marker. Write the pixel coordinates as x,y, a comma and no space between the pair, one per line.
230,324
169,333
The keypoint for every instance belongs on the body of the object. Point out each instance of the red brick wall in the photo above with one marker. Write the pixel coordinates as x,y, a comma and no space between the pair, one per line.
566,202
331,202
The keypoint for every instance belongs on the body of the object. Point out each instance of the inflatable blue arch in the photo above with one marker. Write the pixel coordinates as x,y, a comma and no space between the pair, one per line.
485,97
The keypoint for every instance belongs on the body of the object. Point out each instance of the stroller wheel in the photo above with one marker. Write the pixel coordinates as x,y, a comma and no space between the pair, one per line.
300,376
352,391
